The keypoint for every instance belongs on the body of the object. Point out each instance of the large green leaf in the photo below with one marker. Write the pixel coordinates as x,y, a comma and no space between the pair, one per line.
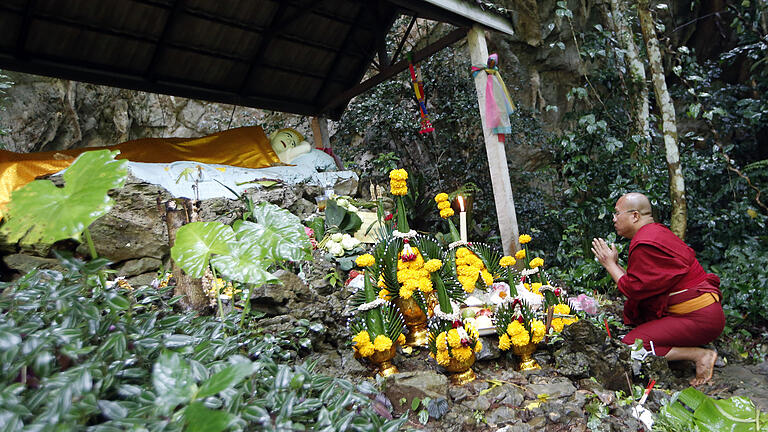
196,241
173,381
737,414
201,419
46,213
283,234
243,264
225,378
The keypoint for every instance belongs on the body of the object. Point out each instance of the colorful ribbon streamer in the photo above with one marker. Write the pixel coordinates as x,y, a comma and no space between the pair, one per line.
418,88
498,104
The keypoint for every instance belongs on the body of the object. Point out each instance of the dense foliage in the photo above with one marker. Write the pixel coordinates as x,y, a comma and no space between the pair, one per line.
74,356
566,198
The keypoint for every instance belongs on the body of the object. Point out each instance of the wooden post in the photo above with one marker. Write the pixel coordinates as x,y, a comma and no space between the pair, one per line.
322,140
497,157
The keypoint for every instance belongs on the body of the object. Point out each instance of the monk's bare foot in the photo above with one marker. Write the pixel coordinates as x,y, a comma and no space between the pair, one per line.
705,365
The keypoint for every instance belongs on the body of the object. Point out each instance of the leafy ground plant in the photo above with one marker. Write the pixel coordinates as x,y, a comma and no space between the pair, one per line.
76,358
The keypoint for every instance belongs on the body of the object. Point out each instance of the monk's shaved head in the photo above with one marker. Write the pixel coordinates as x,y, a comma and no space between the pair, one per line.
636,201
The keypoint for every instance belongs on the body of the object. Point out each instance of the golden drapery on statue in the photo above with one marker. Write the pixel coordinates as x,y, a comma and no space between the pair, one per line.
246,147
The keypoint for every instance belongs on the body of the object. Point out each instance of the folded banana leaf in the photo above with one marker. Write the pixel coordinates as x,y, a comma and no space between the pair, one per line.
693,410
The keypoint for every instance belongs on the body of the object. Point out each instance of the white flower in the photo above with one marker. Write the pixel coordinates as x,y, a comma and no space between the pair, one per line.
534,300
335,248
343,203
352,208
500,293
349,242
337,237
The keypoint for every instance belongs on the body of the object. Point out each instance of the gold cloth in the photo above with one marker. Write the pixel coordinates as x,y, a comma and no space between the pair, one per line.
694,304
246,147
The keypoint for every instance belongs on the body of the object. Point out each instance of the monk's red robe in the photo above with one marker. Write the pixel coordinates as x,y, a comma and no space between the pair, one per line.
662,270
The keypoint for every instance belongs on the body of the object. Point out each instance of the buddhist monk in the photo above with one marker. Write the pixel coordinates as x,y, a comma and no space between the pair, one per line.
672,301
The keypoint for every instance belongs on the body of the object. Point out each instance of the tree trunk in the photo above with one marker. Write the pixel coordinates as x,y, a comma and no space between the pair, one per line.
669,127
179,212
638,91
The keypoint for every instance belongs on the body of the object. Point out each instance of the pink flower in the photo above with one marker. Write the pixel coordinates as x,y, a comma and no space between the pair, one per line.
584,303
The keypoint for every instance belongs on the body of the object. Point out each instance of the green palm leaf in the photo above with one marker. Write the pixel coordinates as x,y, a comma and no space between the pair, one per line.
46,213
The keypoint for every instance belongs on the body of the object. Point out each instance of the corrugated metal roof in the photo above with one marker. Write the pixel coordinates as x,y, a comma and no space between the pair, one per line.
285,55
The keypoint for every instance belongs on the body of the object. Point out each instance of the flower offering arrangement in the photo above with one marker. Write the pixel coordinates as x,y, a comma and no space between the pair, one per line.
377,326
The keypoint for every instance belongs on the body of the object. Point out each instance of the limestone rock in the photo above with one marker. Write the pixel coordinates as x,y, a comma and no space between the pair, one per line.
409,385
24,263
138,266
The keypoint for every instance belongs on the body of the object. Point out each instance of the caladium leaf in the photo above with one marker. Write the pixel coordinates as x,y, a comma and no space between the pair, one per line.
278,231
197,241
243,263
40,212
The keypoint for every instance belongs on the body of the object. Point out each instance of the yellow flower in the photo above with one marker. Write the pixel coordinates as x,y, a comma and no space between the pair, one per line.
569,321
401,339
462,354
520,254
558,324
367,350
398,174
524,238
433,265
446,213
462,252
381,283
537,262
384,294
382,343
365,260
405,293
440,342
362,338
442,205
443,358
441,197
504,342
521,339
471,331
562,309
425,285
514,328
536,288
454,340
478,346
538,329
507,261
487,278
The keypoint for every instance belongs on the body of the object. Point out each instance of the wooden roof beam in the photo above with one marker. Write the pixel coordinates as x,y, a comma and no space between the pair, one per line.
449,39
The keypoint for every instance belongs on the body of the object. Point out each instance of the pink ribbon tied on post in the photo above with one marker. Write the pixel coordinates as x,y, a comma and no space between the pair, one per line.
498,104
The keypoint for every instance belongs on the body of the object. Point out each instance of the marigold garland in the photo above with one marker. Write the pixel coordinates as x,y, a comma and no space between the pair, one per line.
469,267
414,274
507,261
397,182
365,260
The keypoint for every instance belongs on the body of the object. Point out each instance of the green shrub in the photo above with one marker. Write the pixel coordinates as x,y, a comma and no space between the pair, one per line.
76,357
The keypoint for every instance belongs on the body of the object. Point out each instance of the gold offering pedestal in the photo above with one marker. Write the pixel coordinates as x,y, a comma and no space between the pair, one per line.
383,361
461,372
415,320
527,362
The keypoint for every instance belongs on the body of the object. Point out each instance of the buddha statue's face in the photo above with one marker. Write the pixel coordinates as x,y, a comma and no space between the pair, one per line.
288,144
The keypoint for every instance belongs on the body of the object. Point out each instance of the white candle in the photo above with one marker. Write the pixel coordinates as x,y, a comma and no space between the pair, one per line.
462,219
